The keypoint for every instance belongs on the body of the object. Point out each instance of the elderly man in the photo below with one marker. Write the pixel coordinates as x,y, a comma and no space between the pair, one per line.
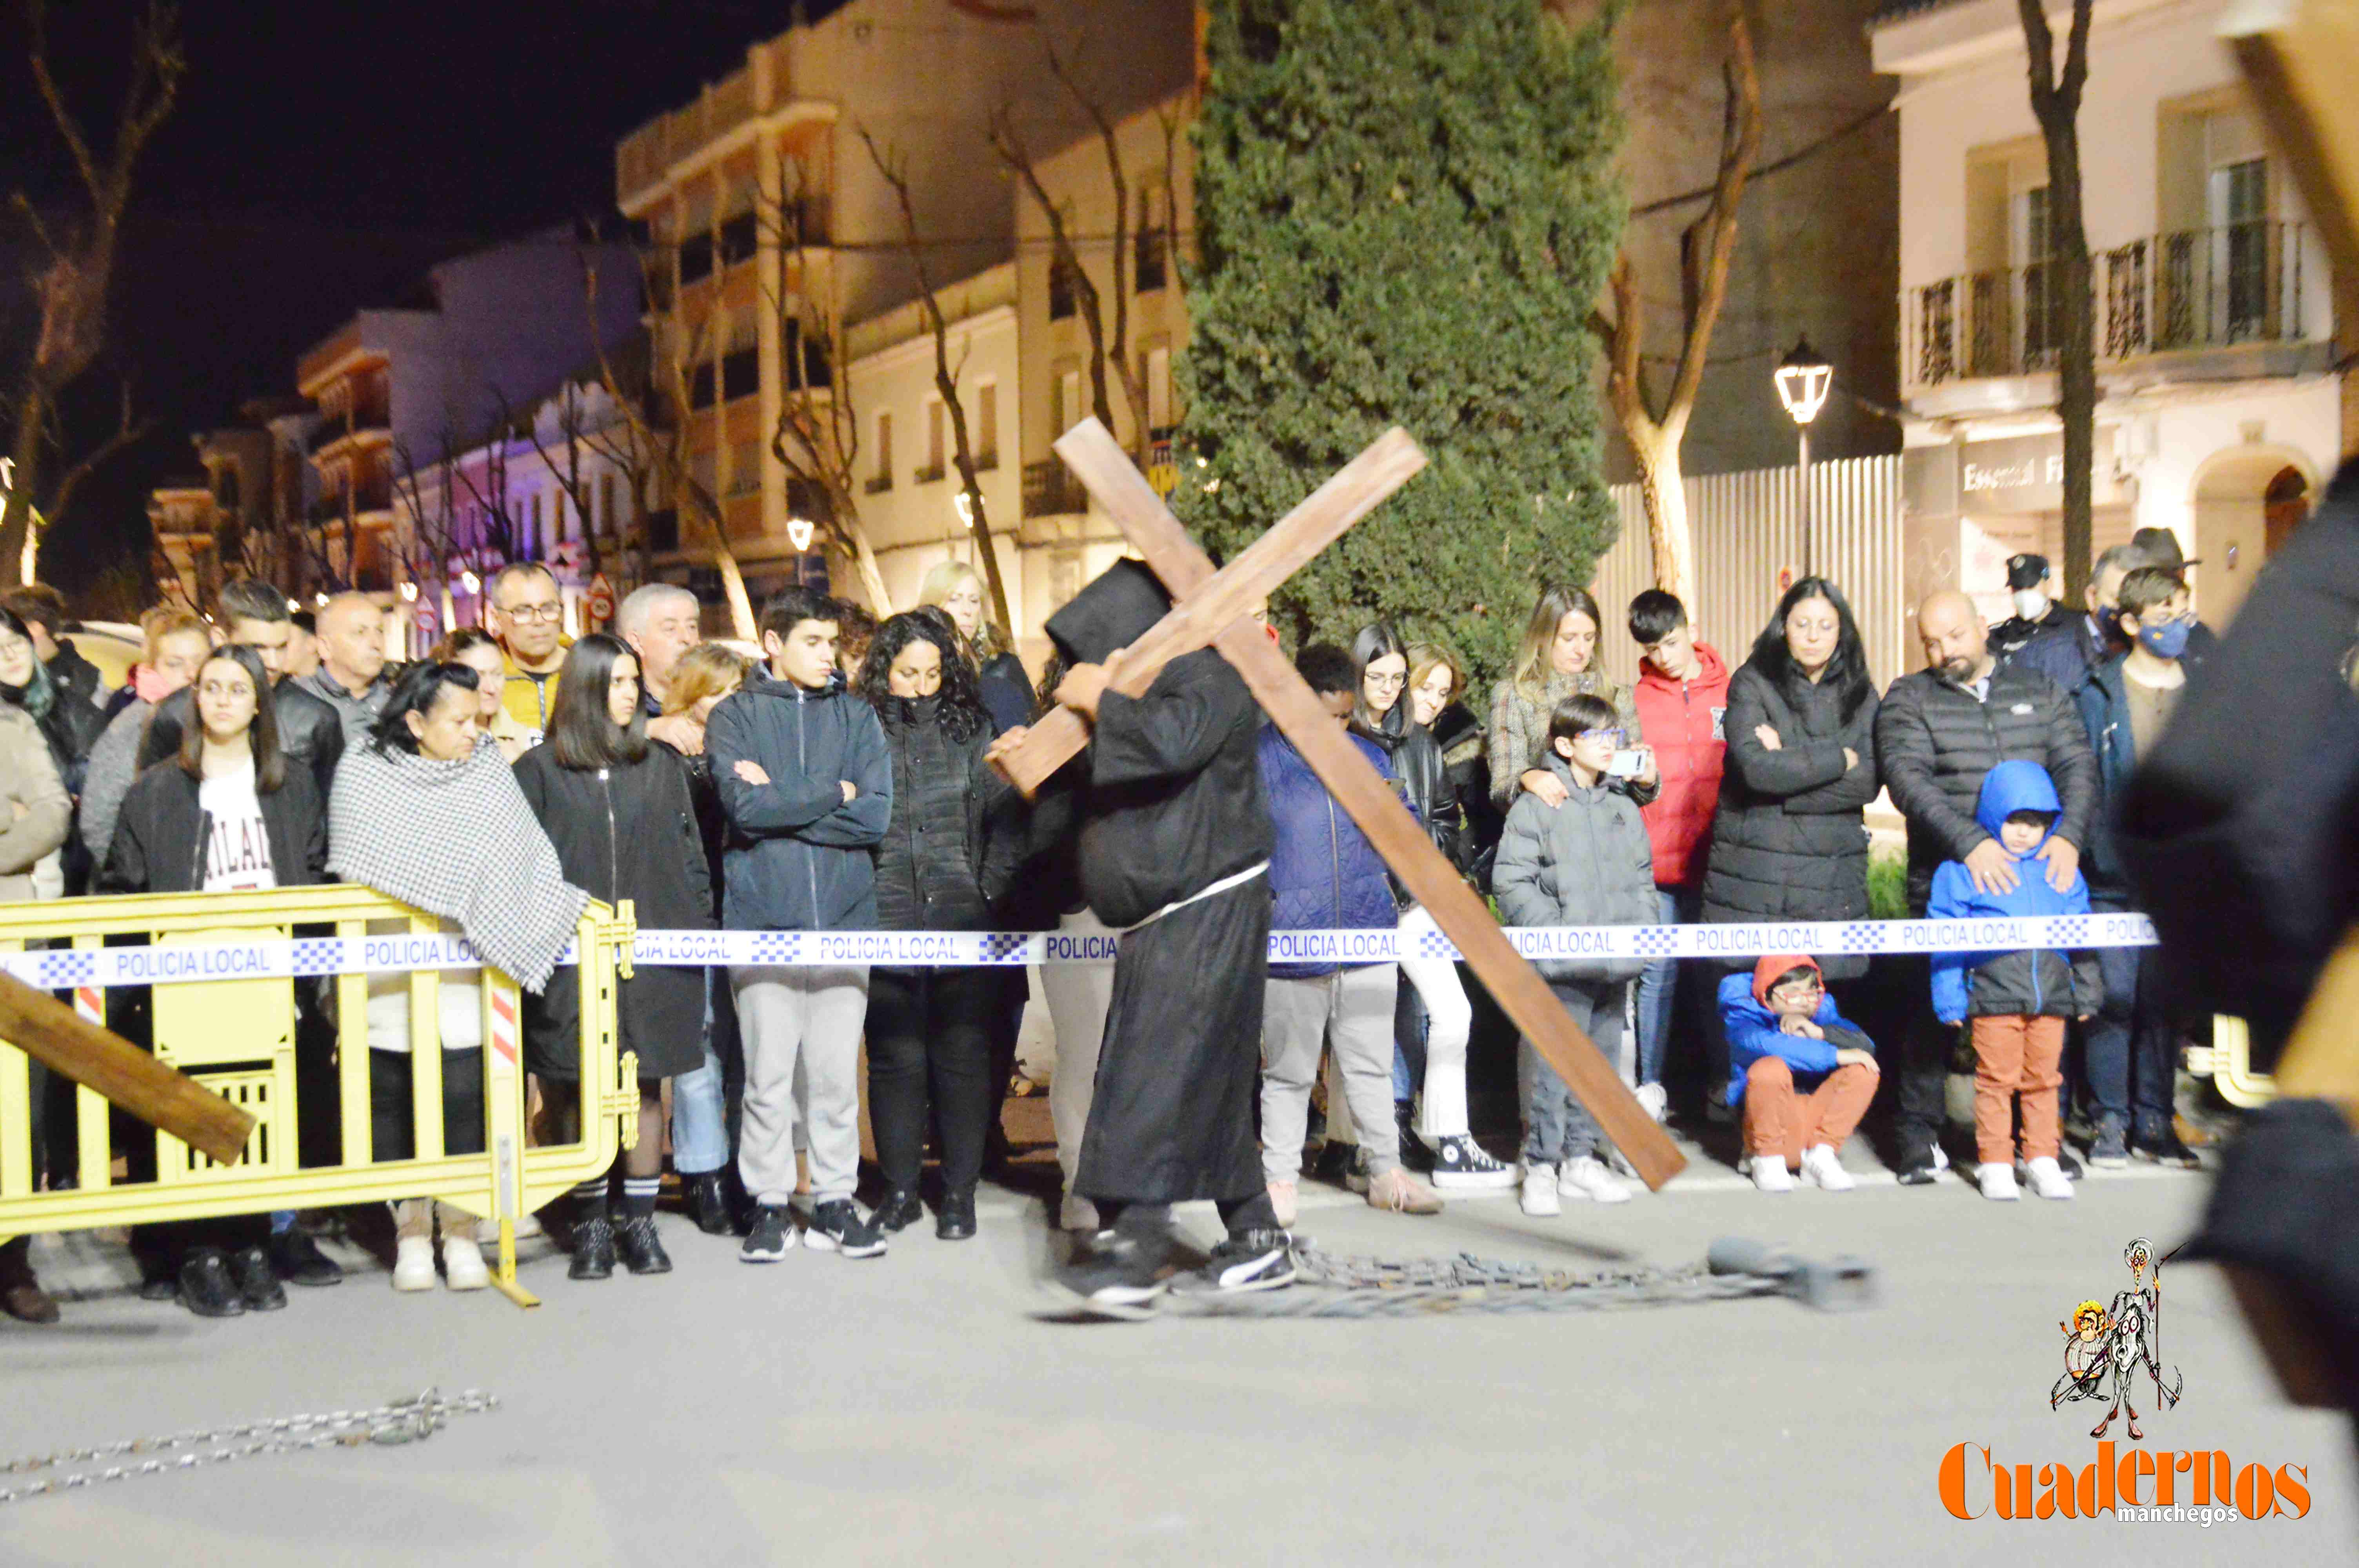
528,616
1940,731
351,677
660,622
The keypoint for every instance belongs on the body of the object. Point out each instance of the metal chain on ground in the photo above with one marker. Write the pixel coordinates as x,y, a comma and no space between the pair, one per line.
1331,1285
411,1420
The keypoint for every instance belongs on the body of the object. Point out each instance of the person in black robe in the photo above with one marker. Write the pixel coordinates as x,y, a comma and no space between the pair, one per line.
2243,820
1175,844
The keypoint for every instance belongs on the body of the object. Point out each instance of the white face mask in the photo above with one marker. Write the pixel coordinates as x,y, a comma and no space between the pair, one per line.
2031,604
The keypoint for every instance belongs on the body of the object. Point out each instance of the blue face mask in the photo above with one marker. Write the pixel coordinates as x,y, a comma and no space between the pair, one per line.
2166,640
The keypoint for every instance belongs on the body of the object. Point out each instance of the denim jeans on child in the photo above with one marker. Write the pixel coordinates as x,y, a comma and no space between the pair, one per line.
1557,1126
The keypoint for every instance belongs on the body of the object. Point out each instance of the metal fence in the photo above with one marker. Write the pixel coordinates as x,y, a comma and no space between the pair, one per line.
1748,536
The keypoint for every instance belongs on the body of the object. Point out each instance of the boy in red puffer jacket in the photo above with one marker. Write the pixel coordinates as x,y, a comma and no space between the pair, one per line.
1681,699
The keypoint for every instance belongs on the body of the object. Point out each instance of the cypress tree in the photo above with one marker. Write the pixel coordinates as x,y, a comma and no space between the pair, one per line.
1404,209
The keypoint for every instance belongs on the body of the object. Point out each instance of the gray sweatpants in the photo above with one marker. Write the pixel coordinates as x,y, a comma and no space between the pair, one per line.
1352,1010
802,1032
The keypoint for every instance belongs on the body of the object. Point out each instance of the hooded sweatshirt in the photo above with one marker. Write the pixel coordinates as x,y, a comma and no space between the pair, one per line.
2034,982
800,856
1682,721
1173,801
1753,1033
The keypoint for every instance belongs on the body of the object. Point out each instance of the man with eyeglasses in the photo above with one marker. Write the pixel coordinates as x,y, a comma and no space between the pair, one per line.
528,616
2125,704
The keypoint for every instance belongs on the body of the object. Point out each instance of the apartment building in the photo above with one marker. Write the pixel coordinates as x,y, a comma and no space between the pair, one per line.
772,232
246,510
2219,407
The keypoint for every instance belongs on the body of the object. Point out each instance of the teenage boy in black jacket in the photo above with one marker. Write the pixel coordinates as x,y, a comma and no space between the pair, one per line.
806,783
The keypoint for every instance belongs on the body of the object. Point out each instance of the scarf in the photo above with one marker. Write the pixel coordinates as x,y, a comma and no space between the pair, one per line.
36,696
456,839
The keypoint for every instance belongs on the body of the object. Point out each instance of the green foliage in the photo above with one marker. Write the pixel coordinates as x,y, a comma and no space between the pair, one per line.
1888,884
1404,209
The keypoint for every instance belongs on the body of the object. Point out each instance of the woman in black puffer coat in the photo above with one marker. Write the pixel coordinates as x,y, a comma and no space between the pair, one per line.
618,807
1790,841
943,863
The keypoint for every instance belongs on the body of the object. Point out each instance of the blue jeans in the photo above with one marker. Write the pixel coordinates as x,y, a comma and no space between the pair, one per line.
1658,987
700,1099
1557,1126
2128,1047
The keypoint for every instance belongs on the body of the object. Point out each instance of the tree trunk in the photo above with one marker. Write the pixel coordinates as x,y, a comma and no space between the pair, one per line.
1664,489
2076,359
16,521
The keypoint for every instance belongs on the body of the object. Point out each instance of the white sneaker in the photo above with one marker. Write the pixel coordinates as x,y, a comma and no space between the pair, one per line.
2048,1178
413,1264
1077,1213
1539,1198
1823,1170
1652,1096
487,1231
1996,1179
1940,1156
1587,1177
1769,1173
462,1261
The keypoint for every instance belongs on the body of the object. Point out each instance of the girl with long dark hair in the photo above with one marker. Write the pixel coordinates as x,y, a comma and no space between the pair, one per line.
618,809
225,814
1431,1016
1789,839
944,861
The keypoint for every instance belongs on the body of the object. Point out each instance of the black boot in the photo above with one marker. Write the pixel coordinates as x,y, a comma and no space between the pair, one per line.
206,1288
956,1220
899,1210
710,1205
594,1247
641,1250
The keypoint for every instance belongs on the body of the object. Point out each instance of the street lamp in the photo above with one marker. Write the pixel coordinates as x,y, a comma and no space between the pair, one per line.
799,534
1803,380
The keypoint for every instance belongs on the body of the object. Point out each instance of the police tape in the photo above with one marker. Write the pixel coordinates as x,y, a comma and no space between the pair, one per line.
277,958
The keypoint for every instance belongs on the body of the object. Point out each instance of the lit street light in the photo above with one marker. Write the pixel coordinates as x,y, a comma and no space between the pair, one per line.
1803,380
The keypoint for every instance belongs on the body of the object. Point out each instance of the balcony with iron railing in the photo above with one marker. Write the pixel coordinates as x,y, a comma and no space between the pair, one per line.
1051,490
2203,292
372,496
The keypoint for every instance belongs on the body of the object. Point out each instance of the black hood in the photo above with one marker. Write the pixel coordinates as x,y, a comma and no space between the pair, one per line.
1110,613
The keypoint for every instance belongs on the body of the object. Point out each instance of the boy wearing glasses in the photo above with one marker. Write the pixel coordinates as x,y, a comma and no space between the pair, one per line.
1786,1041
2125,704
1585,862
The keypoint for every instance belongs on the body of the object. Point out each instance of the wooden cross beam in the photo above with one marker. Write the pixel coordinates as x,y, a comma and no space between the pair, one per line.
1209,610
50,1032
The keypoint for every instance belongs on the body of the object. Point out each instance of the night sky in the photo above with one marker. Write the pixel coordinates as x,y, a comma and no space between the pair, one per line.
322,155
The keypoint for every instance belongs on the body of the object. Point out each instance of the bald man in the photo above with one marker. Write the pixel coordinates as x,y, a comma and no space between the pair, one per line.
351,677
1940,731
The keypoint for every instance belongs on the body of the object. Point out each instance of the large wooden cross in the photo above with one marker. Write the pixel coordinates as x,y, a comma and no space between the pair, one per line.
1212,609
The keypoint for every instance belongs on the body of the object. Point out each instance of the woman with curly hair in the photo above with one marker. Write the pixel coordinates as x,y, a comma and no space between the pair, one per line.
945,858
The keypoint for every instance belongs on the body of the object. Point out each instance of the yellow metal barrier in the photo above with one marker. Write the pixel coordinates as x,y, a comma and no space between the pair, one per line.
2228,1063
237,1036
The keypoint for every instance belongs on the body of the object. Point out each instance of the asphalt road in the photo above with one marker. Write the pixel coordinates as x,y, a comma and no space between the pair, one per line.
910,1411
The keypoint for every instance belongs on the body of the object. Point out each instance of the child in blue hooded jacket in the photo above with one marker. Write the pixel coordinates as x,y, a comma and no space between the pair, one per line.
1802,1073
2018,1001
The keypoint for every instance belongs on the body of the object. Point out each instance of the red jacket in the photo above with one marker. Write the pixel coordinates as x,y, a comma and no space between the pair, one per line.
1681,721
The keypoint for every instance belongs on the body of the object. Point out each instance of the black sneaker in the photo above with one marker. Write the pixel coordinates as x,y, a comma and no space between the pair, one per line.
2110,1152
299,1261
639,1247
257,1282
956,1220
899,1211
1257,1260
1918,1165
2169,1151
593,1249
836,1227
772,1237
1413,1152
1116,1273
2069,1165
206,1288
1460,1164
710,1204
